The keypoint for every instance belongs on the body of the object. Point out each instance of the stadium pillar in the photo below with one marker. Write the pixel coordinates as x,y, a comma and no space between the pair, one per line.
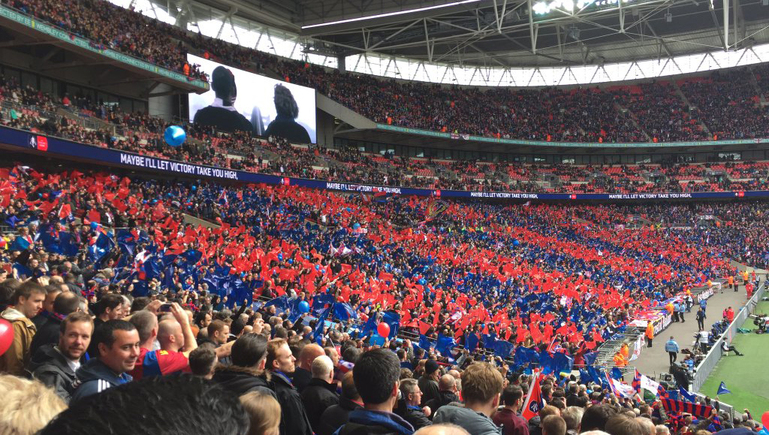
726,25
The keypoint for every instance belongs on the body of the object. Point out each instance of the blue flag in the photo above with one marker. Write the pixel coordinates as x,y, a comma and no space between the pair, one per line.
394,320
722,389
317,334
687,396
444,344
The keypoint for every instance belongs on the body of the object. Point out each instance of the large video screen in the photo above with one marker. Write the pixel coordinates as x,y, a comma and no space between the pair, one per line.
244,101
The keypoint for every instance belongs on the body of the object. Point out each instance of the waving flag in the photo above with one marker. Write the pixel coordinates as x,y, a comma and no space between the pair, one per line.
619,388
722,389
687,396
676,407
534,401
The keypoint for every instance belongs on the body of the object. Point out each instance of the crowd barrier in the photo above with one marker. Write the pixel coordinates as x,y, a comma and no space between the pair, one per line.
708,364
26,141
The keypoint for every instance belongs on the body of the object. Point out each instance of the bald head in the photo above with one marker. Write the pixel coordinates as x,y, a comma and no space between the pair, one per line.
447,383
170,335
308,355
442,429
323,368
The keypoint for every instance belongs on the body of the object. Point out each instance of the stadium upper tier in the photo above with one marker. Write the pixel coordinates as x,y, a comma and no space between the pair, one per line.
728,104
29,109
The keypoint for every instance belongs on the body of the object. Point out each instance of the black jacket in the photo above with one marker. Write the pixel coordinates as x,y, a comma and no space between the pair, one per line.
429,389
47,333
51,368
317,397
443,399
415,417
293,419
242,380
301,378
336,416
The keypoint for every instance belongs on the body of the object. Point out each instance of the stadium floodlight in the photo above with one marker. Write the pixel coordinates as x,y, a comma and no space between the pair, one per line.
544,7
389,14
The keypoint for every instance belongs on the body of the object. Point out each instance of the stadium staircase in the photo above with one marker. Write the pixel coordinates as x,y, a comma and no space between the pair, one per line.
682,96
760,94
633,119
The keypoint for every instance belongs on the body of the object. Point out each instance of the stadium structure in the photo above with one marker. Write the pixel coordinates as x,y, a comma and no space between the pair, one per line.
407,159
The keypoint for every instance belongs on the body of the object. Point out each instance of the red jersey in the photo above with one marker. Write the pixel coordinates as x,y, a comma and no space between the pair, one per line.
158,363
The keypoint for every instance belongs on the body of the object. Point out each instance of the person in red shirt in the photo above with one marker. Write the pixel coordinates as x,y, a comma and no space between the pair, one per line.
507,417
730,314
175,338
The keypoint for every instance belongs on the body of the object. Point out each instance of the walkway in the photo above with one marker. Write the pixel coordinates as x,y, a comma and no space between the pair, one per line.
655,360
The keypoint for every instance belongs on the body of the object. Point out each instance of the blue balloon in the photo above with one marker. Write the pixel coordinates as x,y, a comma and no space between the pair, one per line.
280,257
175,135
355,226
422,281
290,261
304,307
516,242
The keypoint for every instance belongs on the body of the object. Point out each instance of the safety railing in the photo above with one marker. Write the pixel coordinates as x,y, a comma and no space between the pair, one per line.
708,364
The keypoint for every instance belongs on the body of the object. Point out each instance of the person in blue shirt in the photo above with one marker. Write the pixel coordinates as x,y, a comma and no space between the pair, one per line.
671,347
118,345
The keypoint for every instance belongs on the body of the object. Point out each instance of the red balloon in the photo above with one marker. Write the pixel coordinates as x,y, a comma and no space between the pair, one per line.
383,329
764,418
6,335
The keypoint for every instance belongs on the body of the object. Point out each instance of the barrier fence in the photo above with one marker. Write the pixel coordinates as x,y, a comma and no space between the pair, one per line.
706,367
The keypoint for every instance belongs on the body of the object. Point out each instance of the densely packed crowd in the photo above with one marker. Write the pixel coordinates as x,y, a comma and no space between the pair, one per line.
726,105
486,291
31,109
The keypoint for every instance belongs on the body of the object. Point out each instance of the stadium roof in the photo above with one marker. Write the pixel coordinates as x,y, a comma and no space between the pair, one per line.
508,33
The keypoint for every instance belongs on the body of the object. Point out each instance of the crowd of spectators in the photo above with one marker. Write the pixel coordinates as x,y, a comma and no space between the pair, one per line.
31,109
725,105
102,265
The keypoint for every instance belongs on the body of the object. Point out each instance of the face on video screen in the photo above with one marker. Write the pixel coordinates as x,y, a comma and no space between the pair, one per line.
244,101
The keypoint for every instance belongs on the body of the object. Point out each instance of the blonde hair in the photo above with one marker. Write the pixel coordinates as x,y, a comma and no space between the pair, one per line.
263,412
27,406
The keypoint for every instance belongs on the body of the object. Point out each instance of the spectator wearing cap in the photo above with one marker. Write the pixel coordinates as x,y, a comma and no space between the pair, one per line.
481,386
27,301
118,344
428,383
376,375
337,415
447,393
320,393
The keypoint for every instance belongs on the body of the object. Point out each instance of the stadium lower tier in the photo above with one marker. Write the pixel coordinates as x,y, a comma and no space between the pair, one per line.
526,274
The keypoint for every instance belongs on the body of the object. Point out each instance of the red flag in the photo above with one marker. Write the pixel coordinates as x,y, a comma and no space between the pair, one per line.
64,211
94,216
533,402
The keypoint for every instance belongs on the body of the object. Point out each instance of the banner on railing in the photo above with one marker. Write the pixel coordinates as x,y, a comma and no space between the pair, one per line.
32,142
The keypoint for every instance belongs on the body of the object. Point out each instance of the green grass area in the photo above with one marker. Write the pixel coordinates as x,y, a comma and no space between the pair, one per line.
747,377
